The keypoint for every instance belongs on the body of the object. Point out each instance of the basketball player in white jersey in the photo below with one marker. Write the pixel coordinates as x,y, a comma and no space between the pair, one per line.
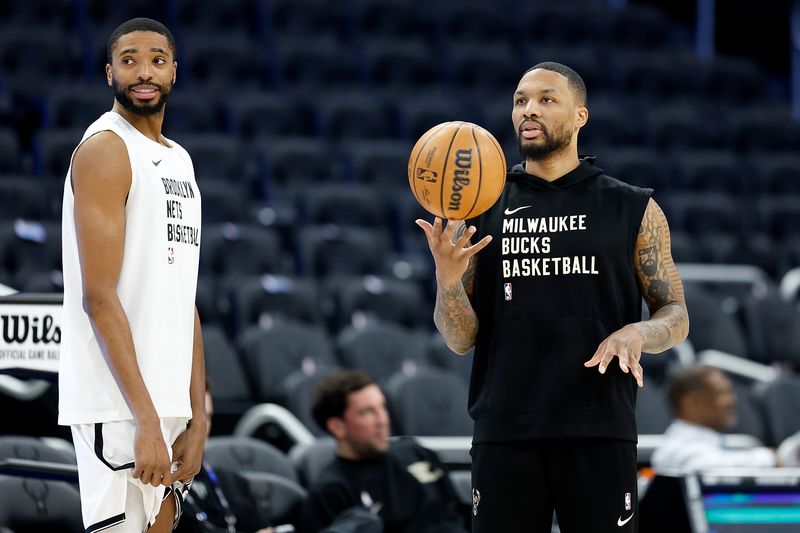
132,375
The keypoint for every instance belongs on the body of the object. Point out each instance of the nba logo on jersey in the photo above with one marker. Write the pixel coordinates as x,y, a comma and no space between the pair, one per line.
170,255
627,501
507,291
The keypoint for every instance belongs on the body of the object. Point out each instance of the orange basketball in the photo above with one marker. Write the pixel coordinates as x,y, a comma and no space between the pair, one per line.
457,170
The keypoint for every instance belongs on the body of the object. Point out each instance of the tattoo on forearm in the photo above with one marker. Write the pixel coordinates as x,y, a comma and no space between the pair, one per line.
455,318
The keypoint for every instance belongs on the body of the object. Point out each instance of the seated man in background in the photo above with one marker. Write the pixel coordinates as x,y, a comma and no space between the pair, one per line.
400,482
703,400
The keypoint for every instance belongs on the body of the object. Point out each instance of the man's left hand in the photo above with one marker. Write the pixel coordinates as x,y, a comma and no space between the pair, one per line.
187,451
626,345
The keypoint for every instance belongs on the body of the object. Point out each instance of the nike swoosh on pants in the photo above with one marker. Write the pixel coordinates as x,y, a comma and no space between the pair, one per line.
621,522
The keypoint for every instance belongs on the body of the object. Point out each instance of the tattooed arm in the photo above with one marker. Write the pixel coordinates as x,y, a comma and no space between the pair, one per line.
661,286
455,278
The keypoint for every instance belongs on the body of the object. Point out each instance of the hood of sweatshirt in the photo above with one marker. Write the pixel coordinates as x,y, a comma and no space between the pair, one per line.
584,171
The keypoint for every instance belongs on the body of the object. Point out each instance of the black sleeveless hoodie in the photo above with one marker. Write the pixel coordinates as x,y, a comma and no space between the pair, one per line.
555,281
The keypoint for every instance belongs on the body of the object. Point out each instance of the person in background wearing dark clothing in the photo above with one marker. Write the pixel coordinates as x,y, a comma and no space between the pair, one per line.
399,481
553,297
208,506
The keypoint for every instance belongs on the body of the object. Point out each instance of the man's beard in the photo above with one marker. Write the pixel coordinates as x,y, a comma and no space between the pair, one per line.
122,95
552,143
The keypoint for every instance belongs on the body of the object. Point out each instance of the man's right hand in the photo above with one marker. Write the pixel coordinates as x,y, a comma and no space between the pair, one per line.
150,455
451,258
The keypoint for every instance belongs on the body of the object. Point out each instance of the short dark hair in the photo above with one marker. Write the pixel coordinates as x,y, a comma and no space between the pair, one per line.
574,79
330,396
139,24
687,381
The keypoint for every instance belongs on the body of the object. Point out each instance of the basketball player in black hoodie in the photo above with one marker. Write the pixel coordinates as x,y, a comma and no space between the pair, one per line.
553,309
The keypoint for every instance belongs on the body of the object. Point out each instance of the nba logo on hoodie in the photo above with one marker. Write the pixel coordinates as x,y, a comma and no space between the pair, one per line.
507,291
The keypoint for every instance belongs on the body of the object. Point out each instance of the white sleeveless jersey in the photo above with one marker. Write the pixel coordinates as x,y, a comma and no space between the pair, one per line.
156,287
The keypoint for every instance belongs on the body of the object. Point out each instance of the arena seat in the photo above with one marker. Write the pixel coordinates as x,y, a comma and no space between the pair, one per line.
440,356
194,111
703,213
383,298
240,249
273,351
36,505
420,113
31,54
309,63
679,128
213,60
776,173
245,454
773,325
685,248
215,156
709,171
214,16
652,411
638,166
344,204
33,449
29,247
781,401
401,64
222,201
278,500
270,298
301,18
475,22
269,114
712,328
332,250
52,152
282,157
312,459
605,128
483,66
381,164
381,348
68,108
223,366
27,197
779,215
391,19
640,26
356,115
428,402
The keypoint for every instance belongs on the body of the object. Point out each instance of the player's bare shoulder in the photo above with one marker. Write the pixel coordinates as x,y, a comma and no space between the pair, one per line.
101,161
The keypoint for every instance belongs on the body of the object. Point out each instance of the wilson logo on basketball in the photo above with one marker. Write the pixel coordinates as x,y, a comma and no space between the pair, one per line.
456,170
460,178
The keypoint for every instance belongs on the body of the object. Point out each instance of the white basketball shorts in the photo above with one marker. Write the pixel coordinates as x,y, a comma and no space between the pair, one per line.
111,499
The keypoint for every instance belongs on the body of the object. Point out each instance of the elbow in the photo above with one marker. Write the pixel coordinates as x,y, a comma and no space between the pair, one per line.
93,301
460,349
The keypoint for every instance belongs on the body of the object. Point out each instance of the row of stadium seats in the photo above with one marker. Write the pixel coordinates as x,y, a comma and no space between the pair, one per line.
271,124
